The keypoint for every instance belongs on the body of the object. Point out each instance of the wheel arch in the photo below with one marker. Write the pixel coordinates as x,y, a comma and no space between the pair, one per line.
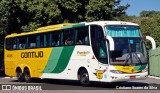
19,68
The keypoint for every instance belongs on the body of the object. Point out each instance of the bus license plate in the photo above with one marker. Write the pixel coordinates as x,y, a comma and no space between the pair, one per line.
132,77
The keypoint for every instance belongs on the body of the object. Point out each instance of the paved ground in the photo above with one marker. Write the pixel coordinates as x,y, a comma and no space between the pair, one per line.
62,86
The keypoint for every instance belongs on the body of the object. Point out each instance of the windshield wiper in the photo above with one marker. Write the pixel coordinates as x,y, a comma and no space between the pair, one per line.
139,60
130,53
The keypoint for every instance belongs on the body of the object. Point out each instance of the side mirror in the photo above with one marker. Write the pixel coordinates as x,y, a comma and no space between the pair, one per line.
152,41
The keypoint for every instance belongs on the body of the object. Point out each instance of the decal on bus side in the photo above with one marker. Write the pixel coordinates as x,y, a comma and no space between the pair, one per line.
38,54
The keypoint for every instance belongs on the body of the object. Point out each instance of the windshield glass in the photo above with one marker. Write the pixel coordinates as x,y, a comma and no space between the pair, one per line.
122,46
122,31
129,47
128,51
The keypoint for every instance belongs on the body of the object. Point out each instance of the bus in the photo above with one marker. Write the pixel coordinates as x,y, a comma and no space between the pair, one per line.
102,51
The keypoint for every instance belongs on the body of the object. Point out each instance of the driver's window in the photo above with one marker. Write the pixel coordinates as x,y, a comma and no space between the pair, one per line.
98,43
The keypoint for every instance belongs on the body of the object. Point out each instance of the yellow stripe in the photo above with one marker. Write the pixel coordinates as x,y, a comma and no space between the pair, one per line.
126,69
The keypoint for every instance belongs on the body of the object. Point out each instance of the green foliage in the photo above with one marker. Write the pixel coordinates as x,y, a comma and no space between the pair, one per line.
149,13
27,15
99,10
150,25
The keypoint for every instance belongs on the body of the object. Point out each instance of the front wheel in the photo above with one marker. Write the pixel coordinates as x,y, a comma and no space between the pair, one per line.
84,78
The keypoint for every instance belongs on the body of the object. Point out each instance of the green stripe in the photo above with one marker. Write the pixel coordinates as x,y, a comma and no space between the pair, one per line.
53,59
79,25
140,67
73,26
65,27
64,59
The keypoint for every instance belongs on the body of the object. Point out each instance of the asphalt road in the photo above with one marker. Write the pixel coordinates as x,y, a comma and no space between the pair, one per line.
65,86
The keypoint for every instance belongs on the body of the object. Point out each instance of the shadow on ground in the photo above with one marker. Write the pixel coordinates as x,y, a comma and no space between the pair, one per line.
54,84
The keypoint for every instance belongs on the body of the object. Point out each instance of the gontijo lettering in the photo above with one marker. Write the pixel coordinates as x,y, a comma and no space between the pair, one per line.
38,54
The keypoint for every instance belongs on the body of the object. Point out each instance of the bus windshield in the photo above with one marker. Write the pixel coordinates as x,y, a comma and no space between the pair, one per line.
122,31
122,46
129,47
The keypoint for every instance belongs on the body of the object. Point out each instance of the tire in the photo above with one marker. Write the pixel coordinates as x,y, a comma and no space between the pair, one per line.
20,76
84,78
27,76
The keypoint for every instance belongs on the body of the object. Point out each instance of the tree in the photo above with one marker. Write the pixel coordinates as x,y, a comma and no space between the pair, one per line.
150,25
27,15
104,9
149,13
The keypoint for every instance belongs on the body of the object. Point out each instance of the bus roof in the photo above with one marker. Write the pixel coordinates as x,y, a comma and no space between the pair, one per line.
70,25
43,29
102,23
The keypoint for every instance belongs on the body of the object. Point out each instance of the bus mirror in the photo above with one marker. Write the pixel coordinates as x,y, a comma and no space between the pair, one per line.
111,43
152,41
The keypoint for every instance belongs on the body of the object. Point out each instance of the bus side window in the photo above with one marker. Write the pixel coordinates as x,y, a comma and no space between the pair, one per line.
55,39
86,40
68,37
48,39
9,44
32,41
41,40
82,36
14,43
32,45
14,46
22,42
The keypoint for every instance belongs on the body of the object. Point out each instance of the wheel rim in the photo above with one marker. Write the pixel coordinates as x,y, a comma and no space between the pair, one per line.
27,77
84,78
19,76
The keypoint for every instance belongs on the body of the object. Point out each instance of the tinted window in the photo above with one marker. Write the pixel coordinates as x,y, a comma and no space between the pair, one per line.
99,44
32,41
11,43
68,37
22,43
55,39
81,35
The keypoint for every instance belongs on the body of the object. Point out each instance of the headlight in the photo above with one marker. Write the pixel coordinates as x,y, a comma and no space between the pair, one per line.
146,69
116,71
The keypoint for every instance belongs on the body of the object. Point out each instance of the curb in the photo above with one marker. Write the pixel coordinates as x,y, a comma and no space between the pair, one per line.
7,77
154,77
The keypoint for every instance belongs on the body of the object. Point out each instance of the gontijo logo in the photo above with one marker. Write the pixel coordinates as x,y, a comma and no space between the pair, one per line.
38,54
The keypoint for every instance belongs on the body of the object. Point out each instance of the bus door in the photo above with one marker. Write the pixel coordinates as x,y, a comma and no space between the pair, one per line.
99,47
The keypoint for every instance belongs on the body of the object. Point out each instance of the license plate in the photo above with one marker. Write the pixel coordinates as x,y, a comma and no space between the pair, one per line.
132,77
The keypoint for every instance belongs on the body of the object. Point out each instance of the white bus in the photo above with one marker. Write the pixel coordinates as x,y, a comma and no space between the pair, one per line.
103,51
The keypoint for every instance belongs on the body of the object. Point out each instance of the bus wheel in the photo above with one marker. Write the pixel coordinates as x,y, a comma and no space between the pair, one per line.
27,75
19,75
84,78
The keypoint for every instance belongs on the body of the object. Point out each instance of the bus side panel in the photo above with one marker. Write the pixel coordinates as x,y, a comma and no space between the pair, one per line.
34,59
71,60
9,63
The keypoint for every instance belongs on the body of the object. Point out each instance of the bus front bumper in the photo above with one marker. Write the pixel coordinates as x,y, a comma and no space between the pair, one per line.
128,77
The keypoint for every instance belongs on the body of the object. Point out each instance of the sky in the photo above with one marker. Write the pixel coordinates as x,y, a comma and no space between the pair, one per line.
137,6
